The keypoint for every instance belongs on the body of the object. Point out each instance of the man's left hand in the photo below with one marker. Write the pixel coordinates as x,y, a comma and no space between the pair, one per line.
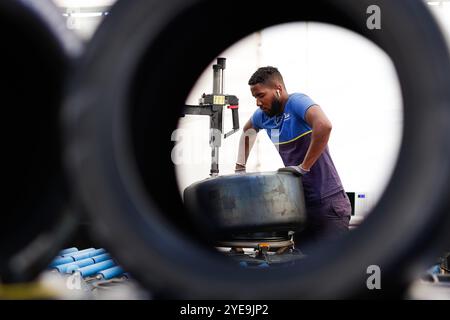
296,170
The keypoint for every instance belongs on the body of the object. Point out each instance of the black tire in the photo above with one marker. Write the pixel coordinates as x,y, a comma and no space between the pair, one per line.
36,57
247,203
138,71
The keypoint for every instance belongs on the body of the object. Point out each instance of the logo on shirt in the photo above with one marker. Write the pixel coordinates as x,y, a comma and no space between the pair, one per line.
287,116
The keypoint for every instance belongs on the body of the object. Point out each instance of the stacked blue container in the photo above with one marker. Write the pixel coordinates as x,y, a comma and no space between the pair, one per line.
88,262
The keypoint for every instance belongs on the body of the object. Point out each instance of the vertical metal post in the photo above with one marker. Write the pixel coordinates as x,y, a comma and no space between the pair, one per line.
218,76
216,123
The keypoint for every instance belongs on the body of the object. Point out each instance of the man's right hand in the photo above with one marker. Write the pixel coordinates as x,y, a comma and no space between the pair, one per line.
239,169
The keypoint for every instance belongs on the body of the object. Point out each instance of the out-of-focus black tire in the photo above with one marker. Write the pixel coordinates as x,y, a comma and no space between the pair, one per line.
246,203
36,57
138,71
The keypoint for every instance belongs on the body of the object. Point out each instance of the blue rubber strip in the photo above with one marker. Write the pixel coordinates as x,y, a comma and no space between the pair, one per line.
110,273
68,250
59,261
88,254
78,252
101,257
96,268
64,268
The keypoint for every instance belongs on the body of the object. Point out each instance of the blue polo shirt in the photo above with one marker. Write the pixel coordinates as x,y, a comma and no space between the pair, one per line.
291,134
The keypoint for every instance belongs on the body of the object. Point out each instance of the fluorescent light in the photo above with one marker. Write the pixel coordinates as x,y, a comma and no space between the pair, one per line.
84,14
83,3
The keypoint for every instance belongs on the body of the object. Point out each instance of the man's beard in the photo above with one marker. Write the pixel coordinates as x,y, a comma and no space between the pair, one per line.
275,107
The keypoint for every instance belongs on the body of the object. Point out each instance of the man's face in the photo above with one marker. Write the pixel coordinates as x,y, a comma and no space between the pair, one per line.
266,99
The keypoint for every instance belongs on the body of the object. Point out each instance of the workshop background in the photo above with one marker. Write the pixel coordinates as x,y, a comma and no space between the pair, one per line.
353,80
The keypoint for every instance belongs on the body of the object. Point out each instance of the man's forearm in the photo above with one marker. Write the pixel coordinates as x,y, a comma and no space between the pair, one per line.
319,141
246,143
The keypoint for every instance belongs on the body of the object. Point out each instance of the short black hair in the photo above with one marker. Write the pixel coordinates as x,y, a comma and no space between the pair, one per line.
264,75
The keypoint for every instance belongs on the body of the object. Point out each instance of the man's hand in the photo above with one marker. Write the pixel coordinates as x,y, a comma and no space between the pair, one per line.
296,170
239,169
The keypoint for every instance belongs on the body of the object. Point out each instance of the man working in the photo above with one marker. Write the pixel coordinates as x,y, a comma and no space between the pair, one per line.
301,131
